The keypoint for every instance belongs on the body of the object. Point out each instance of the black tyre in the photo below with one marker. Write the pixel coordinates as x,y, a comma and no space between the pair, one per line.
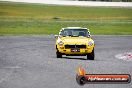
90,56
58,54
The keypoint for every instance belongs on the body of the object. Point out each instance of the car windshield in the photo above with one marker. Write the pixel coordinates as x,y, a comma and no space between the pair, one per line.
75,32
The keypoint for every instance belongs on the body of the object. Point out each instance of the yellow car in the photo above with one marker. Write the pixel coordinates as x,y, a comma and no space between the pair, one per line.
74,41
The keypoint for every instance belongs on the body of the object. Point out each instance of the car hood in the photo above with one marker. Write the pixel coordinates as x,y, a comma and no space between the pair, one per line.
76,40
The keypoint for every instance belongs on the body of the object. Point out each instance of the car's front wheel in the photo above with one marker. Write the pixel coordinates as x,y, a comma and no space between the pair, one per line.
58,54
90,56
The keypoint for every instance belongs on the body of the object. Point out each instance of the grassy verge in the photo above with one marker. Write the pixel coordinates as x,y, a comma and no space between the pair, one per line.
17,18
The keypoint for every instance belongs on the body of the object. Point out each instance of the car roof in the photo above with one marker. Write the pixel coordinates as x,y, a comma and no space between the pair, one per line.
74,28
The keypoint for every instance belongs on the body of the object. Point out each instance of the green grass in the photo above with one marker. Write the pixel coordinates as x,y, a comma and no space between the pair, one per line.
20,18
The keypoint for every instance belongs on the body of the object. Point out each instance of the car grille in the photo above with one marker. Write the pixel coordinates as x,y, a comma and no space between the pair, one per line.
74,46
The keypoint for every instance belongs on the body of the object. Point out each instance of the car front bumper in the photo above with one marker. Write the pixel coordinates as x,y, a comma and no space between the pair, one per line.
75,51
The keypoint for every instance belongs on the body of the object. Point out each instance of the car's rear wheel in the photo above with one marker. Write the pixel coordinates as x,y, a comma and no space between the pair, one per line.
90,56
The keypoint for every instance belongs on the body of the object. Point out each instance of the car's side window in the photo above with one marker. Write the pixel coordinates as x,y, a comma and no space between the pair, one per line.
89,33
63,33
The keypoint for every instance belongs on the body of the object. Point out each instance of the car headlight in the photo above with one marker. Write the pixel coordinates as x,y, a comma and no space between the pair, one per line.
59,41
90,43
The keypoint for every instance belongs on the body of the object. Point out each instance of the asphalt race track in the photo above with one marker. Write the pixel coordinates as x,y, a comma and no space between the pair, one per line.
30,62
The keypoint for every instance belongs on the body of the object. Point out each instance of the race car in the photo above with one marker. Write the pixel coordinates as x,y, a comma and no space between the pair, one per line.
75,41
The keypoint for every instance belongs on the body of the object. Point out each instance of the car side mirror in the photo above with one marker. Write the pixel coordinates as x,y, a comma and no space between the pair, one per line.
56,36
90,36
